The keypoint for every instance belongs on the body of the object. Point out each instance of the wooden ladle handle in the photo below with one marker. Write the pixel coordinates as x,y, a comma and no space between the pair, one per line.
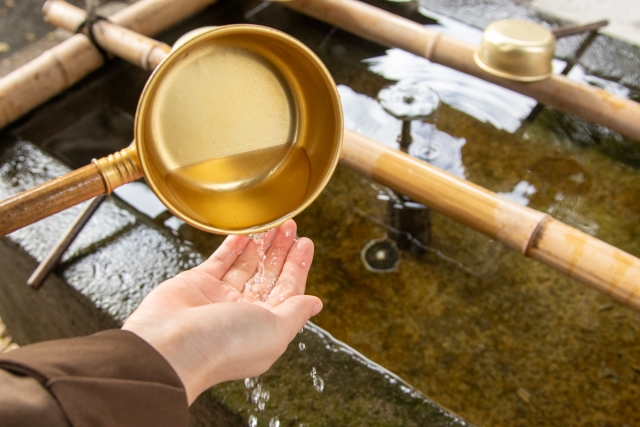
102,176
49,198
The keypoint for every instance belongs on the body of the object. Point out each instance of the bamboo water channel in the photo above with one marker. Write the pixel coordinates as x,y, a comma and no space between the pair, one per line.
528,231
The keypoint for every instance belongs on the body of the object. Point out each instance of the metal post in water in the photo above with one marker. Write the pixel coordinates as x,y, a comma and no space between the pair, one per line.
409,100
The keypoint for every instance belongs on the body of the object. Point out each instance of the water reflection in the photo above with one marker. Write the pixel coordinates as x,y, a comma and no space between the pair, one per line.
520,193
364,115
579,74
138,195
485,101
482,100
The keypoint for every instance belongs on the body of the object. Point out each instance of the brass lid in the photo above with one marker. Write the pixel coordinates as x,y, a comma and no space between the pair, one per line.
239,129
517,50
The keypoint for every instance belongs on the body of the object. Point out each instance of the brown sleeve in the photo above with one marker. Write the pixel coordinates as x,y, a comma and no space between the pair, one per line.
110,379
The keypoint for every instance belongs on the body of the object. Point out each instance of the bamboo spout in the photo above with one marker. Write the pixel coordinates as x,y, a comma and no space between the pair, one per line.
588,102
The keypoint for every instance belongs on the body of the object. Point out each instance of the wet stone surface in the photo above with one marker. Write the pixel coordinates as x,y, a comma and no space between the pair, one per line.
116,260
318,382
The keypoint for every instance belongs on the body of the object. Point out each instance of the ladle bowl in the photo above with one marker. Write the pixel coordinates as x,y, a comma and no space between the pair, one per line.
517,50
237,130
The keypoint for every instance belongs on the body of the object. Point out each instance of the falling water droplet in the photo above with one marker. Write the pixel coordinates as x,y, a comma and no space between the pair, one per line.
313,372
274,422
318,383
302,346
256,393
301,331
248,383
253,421
261,405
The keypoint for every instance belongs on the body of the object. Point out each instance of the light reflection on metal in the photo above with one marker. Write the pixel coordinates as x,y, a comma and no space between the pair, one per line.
516,49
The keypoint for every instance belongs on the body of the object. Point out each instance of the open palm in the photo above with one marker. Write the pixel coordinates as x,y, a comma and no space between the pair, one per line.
224,320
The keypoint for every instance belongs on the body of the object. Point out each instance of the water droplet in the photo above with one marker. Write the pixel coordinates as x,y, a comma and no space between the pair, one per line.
266,395
313,372
255,394
261,405
253,421
248,383
301,346
318,383
274,422
301,331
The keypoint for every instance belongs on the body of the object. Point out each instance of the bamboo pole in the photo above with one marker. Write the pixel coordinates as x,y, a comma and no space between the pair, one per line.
64,65
138,49
588,102
532,233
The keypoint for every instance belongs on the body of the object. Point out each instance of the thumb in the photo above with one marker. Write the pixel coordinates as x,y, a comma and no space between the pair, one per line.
296,310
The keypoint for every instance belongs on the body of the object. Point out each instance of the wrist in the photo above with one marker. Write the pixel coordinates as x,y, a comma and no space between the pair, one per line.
169,343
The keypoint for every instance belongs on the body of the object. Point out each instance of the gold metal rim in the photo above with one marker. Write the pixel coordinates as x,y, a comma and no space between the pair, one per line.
509,76
156,76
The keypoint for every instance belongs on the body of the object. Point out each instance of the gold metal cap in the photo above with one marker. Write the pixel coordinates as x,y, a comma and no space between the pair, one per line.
517,50
239,129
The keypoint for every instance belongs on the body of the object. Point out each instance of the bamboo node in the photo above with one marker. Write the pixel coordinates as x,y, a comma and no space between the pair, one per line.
431,46
119,168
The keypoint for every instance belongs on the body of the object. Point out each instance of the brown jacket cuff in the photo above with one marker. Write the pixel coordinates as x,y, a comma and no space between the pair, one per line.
113,378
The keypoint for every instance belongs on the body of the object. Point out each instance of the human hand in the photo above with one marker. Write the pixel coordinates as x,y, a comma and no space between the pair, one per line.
217,323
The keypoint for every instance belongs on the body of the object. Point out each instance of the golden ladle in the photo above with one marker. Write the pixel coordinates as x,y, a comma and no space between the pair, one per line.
236,131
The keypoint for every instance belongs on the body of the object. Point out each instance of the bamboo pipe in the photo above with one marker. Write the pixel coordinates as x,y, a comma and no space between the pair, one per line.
67,63
526,230
532,233
138,49
588,102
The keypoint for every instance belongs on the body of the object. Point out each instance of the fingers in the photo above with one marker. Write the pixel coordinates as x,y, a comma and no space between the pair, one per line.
224,257
293,277
277,253
245,265
295,311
